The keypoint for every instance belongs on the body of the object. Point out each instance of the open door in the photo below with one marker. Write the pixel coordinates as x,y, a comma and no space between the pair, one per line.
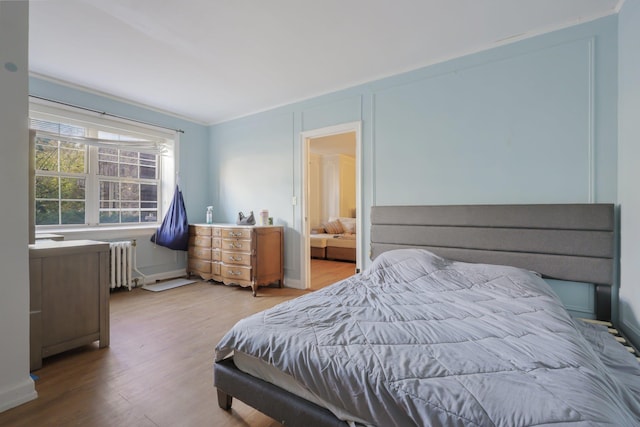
331,191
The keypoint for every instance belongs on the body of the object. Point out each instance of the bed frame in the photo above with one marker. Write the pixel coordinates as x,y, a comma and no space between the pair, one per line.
573,242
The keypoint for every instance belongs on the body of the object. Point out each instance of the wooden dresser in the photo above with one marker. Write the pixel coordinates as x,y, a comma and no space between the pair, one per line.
69,296
246,255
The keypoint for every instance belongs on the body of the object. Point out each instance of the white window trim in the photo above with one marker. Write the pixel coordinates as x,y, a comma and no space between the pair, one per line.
168,160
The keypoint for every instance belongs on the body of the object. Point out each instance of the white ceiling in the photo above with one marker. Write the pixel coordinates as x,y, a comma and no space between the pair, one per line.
213,60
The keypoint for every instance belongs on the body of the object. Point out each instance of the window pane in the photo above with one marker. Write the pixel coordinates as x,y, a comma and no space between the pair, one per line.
129,191
107,169
130,205
72,188
149,205
46,212
107,161
149,192
128,171
109,217
107,152
109,191
149,216
47,157
112,204
72,160
72,212
148,159
130,216
129,156
46,187
147,173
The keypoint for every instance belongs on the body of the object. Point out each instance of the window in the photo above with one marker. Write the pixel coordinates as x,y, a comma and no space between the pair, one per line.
96,174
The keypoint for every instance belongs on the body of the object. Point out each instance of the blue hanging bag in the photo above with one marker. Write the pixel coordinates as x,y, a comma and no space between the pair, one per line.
173,233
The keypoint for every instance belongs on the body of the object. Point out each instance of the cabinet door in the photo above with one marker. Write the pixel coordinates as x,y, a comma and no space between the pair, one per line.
70,297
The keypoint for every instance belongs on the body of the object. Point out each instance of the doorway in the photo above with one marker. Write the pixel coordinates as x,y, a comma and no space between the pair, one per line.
331,201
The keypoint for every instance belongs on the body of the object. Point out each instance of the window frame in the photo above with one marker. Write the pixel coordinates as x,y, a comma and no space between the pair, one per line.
166,164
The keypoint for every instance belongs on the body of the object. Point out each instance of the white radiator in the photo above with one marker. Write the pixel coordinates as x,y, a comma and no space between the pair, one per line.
121,264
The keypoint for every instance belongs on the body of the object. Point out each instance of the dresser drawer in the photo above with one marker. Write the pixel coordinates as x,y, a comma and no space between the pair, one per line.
236,233
236,272
202,231
236,245
240,258
216,255
200,266
216,242
200,252
216,268
202,241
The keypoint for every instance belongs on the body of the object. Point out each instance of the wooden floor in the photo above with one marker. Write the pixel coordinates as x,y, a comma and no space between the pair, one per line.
325,272
158,369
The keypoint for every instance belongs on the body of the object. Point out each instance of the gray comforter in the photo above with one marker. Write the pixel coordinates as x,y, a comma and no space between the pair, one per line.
416,340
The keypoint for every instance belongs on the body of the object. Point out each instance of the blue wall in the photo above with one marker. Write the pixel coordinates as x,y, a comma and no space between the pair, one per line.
530,122
629,173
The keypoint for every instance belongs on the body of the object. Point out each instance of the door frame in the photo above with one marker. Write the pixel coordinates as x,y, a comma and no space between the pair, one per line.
305,140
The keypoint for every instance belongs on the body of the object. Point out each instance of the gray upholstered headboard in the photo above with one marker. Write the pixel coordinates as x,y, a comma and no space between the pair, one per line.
572,242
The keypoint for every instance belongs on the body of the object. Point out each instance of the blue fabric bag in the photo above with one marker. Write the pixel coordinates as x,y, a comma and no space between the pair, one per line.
173,233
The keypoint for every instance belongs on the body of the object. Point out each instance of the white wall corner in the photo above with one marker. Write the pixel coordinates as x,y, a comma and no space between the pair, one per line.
17,394
294,283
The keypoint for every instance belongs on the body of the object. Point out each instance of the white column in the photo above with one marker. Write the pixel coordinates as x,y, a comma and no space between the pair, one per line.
16,386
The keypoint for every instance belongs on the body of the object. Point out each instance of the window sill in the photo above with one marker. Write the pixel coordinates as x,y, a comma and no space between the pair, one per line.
102,233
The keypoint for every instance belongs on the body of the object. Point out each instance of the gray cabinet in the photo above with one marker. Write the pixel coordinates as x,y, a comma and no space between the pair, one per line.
69,296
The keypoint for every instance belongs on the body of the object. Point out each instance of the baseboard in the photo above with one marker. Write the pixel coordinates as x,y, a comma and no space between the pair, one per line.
631,333
17,395
293,283
165,275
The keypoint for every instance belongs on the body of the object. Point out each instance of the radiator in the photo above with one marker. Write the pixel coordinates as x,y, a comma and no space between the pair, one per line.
121,264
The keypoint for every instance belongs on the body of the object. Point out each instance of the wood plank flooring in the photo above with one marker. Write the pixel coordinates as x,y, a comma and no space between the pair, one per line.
326,272
158,369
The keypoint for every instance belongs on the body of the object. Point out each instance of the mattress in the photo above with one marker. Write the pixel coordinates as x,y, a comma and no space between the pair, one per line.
420,340
263,370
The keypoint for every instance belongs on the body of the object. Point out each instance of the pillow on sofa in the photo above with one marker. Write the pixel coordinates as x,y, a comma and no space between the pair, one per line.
333,227
348,224
317,230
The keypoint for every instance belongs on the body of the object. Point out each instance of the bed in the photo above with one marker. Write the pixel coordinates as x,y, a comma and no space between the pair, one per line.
484,341
334,240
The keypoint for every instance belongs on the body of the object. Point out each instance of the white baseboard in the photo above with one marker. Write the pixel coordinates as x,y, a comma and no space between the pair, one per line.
17,395
293,283
632,333
150,279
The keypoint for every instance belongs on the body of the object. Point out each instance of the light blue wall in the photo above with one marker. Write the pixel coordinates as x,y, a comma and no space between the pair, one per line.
629,173
194,177
529,122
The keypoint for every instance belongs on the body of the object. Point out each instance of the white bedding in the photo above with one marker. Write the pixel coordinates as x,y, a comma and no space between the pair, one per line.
417,340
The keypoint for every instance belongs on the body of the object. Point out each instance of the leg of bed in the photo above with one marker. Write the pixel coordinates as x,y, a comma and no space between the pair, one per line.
224,400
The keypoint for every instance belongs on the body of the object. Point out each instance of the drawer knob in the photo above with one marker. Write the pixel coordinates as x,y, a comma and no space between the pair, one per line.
235,234
234,273
235,258
237,245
